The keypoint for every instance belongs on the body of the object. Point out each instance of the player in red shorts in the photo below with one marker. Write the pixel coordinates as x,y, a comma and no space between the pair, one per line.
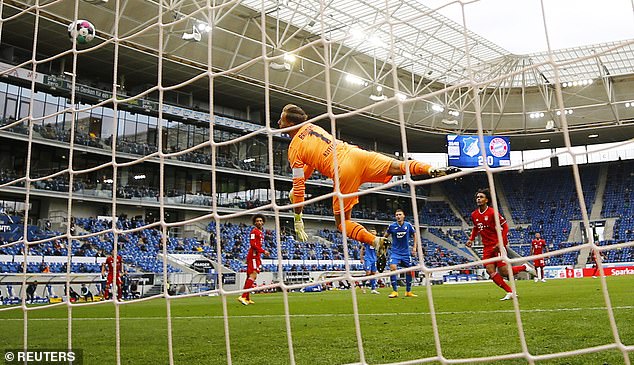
484,225
108,266
594,255
254,262
538,246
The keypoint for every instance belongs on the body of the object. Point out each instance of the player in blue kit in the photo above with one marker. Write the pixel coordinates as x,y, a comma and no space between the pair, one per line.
401,232
368,260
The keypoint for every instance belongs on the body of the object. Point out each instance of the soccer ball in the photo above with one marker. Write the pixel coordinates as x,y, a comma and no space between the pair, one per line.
81,30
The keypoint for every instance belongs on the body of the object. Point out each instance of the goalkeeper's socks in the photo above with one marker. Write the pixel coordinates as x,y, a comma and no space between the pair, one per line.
408,282
394,280
358,232
499,281
416,168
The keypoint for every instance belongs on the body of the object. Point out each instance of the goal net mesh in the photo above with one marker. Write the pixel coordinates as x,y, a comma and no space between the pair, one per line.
391,64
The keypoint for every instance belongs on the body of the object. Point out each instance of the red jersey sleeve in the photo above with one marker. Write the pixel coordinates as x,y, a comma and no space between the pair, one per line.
505,230
474,231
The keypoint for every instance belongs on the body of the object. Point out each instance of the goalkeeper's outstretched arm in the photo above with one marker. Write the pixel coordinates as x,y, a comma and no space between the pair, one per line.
300,232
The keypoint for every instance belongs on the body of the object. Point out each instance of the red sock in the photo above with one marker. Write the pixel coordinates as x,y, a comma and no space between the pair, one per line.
499,281
247,285
416,168
517,269
358,232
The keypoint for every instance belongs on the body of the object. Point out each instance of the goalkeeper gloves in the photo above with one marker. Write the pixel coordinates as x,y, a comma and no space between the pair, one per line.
442,171
299,228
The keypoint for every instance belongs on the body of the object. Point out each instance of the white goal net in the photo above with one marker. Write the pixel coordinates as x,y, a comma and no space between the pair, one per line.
149,129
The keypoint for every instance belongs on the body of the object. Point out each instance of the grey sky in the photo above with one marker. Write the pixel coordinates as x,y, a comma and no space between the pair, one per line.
518,26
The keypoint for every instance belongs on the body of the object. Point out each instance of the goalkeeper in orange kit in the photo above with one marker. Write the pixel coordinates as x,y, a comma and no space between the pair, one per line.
312,148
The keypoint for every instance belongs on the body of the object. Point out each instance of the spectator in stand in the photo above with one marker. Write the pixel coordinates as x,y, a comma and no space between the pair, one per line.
538,246
484,225
86,293
72,294
73,230
30,291
254,262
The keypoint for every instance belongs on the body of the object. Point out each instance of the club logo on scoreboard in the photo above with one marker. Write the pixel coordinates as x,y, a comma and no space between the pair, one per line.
498,147
471,147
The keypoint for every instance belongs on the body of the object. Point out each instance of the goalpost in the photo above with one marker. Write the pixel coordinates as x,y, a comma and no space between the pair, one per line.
391,64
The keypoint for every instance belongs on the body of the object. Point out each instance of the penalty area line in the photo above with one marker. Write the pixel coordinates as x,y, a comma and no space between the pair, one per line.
577,309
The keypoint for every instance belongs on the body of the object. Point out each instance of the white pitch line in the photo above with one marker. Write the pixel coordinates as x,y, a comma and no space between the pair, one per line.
578,309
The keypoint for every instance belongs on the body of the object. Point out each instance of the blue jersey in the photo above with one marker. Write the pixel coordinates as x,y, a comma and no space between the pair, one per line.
369,253
401,234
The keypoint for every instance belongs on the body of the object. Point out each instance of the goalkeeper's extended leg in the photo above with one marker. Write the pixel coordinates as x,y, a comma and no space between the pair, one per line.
357,232
419,168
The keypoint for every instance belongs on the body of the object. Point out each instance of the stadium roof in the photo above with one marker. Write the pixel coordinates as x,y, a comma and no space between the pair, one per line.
430,60
423,41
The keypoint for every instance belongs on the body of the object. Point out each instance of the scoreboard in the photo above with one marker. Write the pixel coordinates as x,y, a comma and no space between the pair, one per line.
464,151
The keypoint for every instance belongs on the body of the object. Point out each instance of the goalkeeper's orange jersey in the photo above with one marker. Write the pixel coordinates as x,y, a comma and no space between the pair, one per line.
312,148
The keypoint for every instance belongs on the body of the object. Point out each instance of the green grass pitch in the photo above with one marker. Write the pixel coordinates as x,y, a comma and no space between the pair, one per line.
560,315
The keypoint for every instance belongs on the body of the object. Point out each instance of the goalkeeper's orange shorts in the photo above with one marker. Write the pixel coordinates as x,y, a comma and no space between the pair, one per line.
357,167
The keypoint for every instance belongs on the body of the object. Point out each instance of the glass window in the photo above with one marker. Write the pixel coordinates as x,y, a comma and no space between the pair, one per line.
199,135
49,111
82,122
3,98
183,136
12,89
24,109
52,99
39,96
141,132
120,124
172,136
10,111
38,111
130,129
106,125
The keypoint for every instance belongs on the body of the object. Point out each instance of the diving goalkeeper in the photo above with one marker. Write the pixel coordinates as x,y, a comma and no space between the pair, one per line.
312,148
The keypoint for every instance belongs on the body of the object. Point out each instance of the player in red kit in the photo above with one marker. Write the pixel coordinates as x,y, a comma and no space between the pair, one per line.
538,247
484,225
594,256
109,267
254,262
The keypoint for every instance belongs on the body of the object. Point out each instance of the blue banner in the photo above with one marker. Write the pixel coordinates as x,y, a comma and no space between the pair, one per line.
464,151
